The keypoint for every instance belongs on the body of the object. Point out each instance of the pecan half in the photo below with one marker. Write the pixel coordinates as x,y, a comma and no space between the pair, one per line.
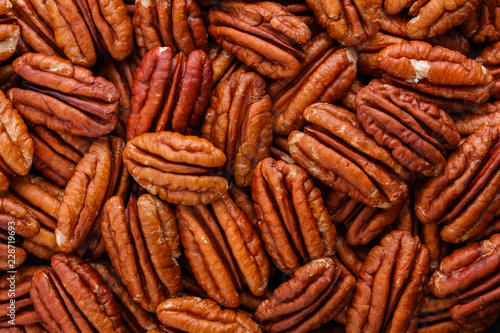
486,114
316,294
142,243
263,35
490,59
434,17
193,314
338,152
417,133
436,71
173,23
239,123
483,23
17,151
389,289
466,195
64,97
350,22
9,36
325,79
176,167
169,93
293,220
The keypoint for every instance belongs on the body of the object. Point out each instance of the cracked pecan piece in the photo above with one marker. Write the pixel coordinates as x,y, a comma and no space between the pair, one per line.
470,274
336,150
143,245
9,36
64,97
133,315
57,153
176,24
465,196
417,133
434,17
72,297
193,314
293,220
223,249
263,35
16,155
317,293
389,289
327,74
239,122
177,168
437,71
169,93
350,22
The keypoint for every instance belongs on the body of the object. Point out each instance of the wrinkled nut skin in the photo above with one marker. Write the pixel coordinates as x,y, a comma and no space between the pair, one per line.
169,93
193,314
389,289
239,122
417,133
487,114
9,36
263,35
465,195
483,24
434,17
488,57
136,243
426,68
16,155
80,103
176,167
84,195
14,215
324,81
350,22
349,165
317,293
293,220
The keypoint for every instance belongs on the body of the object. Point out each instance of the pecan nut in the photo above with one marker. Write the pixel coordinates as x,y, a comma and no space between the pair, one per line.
142,241
417,133
169,93
239,123
176,167
263,35
488,57
486,114
316,294
483,24
9,36
389,289
64,97
193,314
293,220
357,165
466,195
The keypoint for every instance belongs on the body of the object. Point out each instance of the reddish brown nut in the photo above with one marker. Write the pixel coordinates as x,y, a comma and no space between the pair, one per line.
64,97
73,296
133,315
483,23
417,133
84,195
222,62
293,220
8,78
16,220
263,35
489,58
389,289
487,114
169,93
239,122
193,314
17,151
143,244
436,71
434,17
316,294
57,153
176,167
326,78
173,23
350,22
223,249
338,152
9,36
466,195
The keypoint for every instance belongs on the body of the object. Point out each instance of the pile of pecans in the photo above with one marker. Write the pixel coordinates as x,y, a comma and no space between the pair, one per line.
237,166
